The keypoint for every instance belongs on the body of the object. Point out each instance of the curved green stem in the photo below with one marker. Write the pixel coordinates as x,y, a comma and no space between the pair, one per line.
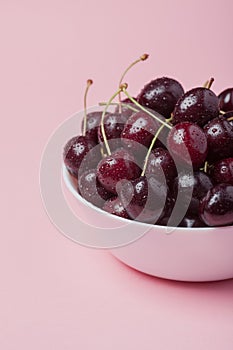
89,83
150,149
102,121
141,58
205,167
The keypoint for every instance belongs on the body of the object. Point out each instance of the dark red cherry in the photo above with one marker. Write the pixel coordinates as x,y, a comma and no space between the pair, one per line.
161,95
113,127
90,188
192,187
75,153
144,198
226,100
118,166
93,122
216,208
139,130
187,144
219,135
222,171
162,164
198,105
115,207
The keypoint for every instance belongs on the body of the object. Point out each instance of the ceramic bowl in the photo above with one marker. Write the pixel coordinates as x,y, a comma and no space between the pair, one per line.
183,254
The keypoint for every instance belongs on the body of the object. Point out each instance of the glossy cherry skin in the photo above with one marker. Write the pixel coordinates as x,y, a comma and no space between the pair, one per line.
144,198
216,208
219,135
118,166
222,171
90,188
115,207
76,152
161,163
161,95
198,105
226,100
192,187
93,122
187,144
139,130
113,127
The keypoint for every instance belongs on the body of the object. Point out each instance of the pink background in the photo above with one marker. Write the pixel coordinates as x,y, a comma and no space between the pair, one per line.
55,294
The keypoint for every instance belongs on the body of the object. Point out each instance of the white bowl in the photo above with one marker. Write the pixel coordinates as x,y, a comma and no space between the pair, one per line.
185,254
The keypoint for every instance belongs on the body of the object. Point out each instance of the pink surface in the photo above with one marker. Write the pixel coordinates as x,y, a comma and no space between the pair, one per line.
55,294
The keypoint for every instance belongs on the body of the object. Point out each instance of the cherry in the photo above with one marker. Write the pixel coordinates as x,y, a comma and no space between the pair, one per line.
93,120
139,130
198,105
115,207
192,187
143,198
226,100
216,208
90,188
161,95
113,126
160,162
76,151
219,135
116,167
90,121
222,171
187,144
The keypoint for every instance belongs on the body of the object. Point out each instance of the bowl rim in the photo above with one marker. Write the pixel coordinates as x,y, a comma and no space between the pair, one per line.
67,176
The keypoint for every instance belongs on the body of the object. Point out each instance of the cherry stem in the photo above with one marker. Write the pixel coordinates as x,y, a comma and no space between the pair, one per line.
209,83
206,84
222,112
145,110
230,119
122,86
102,152
150,148
205,167
141,58
89,83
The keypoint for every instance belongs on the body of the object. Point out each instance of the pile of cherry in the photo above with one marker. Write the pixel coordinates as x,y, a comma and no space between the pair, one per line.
135,160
